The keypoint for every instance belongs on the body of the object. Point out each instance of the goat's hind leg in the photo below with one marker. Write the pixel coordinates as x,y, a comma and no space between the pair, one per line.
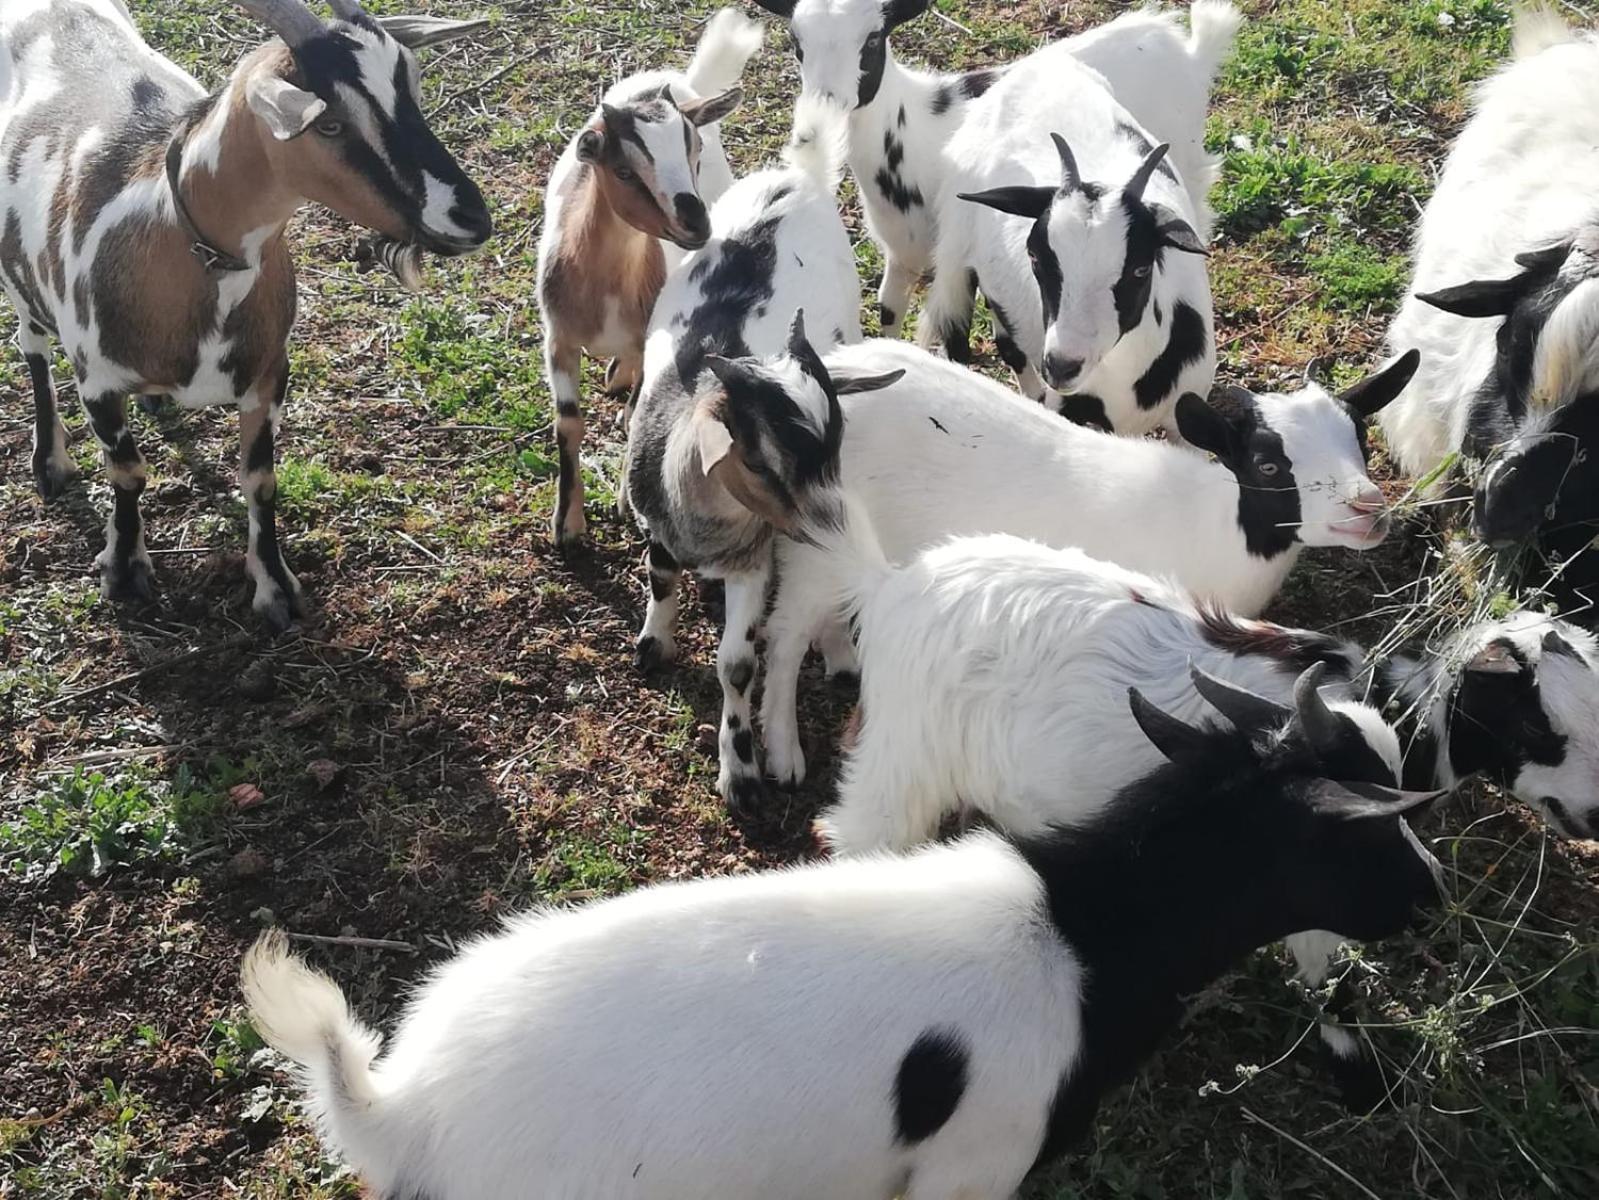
52,465
657,642
563,365
739,777
125,570
277,591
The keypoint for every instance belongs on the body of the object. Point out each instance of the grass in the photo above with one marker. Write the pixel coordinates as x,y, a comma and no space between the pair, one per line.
457,732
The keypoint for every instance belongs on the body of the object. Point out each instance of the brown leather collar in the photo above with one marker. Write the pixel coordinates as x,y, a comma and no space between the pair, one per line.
212,258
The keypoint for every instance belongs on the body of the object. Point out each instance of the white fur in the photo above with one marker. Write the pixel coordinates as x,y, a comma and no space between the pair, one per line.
1523,174
1004,141
1161,77
628,1048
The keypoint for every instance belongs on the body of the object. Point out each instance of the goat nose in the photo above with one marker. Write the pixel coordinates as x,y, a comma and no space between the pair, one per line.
1060,371
1368,498
691,214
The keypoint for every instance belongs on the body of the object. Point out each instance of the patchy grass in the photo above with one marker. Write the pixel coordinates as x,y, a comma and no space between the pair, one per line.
457,731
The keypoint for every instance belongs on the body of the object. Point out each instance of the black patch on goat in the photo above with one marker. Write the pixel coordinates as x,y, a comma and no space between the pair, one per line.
873,61
889,181
929,1084
1136,136
968,86
1497,723
1186,343
733,282
1004,342
1144,253
1268,494
1046,268
1080,408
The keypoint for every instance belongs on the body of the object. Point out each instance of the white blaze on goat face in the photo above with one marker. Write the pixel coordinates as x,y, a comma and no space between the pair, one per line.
1084,255
842,47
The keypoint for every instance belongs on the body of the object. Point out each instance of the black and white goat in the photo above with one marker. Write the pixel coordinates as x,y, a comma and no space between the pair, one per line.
1505,300
949,1018
777,241
640,172
119,172
1086,252
945,451
902,118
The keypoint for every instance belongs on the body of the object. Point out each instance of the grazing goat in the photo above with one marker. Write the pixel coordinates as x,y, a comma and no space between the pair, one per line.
945,451
641,170
776,240
1505,300
949,1018
1105,294
144,225
903,118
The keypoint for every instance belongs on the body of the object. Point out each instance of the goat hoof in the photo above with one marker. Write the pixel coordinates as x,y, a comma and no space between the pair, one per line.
133,580
152,405
570,535
279,615
651,654
50,478
745,795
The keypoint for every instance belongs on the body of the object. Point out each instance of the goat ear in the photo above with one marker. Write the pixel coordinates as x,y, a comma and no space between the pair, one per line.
1176,232
897,12
778,8
1377,390
1177,740
417,32
1203,426
1496,658
1545,258
848,382
590,145
1481,297
285,109
712,108
1019,201
712,438
1553,643
1359,801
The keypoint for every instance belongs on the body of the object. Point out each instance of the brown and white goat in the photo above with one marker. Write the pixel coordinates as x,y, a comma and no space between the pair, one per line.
142,225
643,170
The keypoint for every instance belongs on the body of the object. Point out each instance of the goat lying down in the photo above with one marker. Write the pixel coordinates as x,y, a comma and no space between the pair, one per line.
948,1018
944,451
637,177
120,171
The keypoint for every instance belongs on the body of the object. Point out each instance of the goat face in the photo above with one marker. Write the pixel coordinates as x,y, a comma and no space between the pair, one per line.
1299,459
347,131
1534,417
1525,711
646,159
842,45
1095,252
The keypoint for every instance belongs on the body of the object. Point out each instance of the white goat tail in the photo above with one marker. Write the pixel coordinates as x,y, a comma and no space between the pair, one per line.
1212,28
728,43
1538,27
820,141
302,1014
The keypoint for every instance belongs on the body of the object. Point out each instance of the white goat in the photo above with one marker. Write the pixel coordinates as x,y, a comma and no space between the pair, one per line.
142,225
777,242
902,118
1101,287
948,1018
641,170
945,451
1505,300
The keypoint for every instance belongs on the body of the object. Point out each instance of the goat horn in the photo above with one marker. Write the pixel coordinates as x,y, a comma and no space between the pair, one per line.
797,341
1315,719
1140,180
346,10
1070,180
1247,710
291,20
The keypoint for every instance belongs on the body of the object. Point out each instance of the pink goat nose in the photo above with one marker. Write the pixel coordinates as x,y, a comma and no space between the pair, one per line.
1369,499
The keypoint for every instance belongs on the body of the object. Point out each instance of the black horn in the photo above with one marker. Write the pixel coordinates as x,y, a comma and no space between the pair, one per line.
1140,180
1070,178
1248,711
289,19
1318,722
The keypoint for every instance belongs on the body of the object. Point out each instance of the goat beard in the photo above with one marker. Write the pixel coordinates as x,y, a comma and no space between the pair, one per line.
403,259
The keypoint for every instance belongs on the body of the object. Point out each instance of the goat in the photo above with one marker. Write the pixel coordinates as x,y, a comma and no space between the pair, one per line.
950,1017
1504,302
902,118
119,170
776,239
945,451
1104,296
641,170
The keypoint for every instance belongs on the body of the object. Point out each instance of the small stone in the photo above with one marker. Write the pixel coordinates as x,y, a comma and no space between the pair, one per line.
245,796
257,682
247,863
324,771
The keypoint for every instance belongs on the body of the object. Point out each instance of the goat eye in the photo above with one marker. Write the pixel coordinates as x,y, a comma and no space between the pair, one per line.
1268,469
1141,272
624,174
330,129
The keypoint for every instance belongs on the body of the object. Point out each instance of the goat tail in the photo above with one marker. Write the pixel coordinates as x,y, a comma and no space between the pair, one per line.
726,46
842,528
819,143
1212,29
302,1014
1537,27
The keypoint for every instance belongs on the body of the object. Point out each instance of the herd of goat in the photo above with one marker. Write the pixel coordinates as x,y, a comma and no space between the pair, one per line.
1054,618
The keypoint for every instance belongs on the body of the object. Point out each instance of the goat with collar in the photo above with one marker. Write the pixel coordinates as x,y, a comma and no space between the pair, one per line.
118,171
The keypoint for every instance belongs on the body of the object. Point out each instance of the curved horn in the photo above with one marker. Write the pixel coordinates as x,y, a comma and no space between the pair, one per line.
1247,710
665,93
291,20
346,10
797,341
1070,179
1140,180
1314,718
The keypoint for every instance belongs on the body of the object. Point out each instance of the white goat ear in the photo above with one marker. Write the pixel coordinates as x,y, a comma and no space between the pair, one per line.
416,32
286,109
848,382
712,108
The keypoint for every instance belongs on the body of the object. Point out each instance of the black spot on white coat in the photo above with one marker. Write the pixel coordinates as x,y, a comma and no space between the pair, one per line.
1185,343
929,1085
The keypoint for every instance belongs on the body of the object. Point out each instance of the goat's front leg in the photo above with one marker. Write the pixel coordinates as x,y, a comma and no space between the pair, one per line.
563,364
894,296
657,643
52,465
125,570
739,778
277,591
